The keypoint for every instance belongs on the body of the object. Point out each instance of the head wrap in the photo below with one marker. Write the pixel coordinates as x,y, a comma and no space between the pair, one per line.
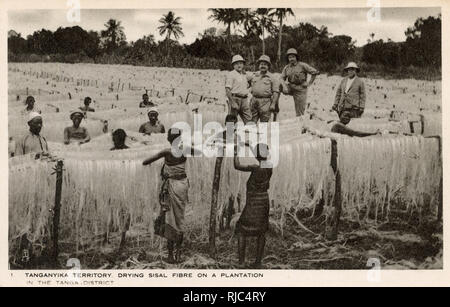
153,110
33,115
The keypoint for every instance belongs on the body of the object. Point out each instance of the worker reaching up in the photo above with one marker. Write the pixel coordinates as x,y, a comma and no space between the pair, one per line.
173,196
254,219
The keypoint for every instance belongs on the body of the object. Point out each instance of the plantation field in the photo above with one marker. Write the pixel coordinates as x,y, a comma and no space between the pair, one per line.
390,182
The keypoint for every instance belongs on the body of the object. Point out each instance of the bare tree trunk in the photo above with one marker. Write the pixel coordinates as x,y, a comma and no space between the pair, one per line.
280,35
263,43
229,38
253,53
213,214
167,46
56,211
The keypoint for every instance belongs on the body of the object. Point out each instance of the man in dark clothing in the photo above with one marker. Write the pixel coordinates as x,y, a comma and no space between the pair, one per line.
119,136
153,125
341,126
145,103
86,108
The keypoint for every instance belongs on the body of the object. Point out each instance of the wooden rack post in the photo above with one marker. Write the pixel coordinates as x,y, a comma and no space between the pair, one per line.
422,124
213,214
56,210
440,199
333,227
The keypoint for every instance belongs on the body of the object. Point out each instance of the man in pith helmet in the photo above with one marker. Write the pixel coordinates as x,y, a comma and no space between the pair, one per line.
265,90
295,80
351,93
236,87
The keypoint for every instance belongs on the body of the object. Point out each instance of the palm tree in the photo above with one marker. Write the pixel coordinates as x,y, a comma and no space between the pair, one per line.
281,14
228,17
266,22
251,29
113,35
170,25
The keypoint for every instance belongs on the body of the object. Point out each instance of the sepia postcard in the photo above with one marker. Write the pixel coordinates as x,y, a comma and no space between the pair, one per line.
236,143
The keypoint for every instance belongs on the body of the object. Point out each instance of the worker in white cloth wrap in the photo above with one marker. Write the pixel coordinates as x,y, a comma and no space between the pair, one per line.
32,142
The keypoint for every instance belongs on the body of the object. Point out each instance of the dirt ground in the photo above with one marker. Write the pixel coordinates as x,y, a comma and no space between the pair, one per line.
397,244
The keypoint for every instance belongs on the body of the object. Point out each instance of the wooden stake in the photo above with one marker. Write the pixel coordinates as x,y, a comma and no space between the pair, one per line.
214,199
422,124
411,127
440,199
333,227
56,210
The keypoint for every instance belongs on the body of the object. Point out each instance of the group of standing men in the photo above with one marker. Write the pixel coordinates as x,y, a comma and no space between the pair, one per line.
265,88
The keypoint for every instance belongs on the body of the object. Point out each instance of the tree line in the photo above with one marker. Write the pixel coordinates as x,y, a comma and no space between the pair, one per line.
247,32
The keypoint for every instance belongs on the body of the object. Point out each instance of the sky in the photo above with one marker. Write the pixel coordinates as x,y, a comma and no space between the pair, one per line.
354,22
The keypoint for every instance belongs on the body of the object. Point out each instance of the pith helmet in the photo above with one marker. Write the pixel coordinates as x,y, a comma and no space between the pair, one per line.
352,65
292,51
237,58
264,58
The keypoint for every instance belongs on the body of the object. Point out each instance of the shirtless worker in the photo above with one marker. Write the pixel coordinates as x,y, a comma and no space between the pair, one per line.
76,132
145,103
31,107
87,108
236,87
153,125
341,126
119,136
265,90
32,142
295,80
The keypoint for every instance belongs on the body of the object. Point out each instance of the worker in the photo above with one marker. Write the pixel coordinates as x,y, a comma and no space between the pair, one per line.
30,106
173,195
295,80
86,107
119,136
145,103
254,219
153,125
236,87
351,93
76,132
265,89
32,142
341,126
